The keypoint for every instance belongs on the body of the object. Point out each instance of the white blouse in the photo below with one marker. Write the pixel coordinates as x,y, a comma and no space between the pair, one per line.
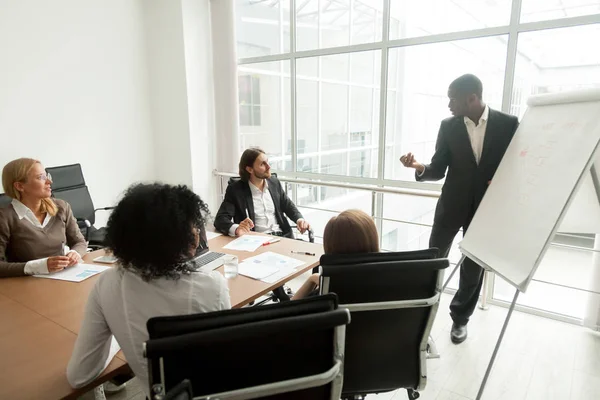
121,303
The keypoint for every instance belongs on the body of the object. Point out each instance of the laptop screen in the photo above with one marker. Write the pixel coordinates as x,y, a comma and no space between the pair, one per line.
203,245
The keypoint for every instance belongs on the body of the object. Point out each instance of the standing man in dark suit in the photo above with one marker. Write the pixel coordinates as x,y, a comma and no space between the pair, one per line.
470,146
257,202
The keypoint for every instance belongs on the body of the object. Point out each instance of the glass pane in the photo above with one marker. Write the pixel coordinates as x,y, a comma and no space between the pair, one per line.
262,27
334,23
338,113
265,119
563,266
407,226
245,115
308,117
325,202
367,21
417,93
540,10
549,61
411,18
334,116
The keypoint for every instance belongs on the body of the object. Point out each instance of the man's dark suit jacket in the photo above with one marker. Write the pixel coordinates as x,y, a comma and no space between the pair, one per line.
238,198
466,182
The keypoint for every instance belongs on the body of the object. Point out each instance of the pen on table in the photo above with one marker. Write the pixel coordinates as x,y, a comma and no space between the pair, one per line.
271,242
306,253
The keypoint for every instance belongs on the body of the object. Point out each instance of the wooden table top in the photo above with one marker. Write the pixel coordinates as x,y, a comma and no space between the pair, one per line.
41,319
35,352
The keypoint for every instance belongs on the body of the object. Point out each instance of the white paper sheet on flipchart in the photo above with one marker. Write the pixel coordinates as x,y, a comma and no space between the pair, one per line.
256,271
276,260
533,185
76,273
212,235
247,243
114,349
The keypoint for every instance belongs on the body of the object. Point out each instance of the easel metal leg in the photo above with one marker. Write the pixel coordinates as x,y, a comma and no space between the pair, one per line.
486,284
498,343
458,264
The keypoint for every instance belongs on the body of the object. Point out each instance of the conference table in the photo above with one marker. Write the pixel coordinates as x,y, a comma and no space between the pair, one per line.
41,319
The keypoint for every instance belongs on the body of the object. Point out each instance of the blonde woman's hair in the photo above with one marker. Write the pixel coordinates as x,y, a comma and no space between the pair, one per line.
18,171
353,231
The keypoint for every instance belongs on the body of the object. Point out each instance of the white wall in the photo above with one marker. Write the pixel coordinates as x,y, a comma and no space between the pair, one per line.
163,24
74,88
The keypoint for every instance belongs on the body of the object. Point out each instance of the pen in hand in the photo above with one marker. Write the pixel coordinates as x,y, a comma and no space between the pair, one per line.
305,253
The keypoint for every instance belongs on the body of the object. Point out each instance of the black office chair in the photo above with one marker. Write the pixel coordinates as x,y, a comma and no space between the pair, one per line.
182,391
236,353
393,299
68,184
5,200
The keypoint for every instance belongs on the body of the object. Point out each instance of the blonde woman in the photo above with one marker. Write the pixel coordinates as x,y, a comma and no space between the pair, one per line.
352,231
34,228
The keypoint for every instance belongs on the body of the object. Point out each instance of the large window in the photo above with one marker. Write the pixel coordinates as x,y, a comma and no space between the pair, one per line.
340,89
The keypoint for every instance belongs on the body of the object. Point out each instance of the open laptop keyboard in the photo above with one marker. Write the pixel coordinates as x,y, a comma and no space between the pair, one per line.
212,256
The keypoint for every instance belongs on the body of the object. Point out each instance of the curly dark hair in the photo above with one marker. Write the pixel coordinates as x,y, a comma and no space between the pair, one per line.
150,230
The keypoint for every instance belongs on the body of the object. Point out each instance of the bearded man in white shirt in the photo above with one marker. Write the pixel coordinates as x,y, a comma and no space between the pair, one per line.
469,147
257,202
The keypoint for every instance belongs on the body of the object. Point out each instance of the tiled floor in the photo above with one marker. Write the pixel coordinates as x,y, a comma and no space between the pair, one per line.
540,359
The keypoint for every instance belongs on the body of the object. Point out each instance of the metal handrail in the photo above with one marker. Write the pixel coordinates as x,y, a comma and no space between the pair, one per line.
366,187
379,189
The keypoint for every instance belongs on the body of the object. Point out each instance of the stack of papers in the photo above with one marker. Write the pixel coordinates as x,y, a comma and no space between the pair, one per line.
269,267
247,243
76,273
256,271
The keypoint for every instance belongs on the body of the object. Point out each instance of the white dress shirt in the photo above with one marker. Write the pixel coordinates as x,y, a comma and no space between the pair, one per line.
40,266
121,303
264,211
477,132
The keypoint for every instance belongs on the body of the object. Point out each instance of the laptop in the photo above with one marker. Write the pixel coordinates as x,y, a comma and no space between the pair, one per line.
206,260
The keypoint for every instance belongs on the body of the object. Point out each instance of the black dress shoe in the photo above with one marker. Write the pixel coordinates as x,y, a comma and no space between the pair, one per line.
458,333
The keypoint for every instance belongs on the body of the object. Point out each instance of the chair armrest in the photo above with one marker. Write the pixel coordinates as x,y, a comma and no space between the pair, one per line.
310,232
104,209
84,223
